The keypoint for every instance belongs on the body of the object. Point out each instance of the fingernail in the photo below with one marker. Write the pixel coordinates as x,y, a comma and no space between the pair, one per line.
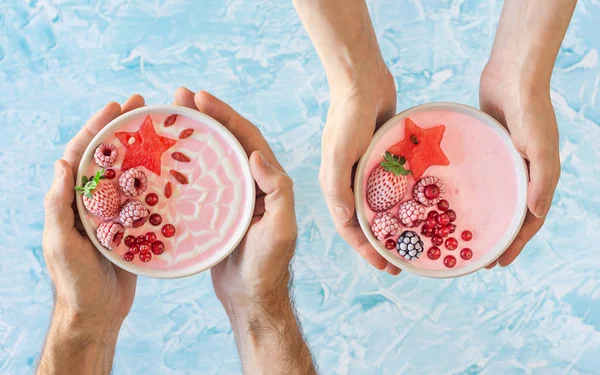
342,214
58,170
263,160
541,208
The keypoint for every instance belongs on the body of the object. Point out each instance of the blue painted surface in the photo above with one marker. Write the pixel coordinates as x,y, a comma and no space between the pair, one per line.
61,60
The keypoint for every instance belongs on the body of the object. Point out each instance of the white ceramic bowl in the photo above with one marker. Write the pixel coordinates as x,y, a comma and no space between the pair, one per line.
511,231
249,193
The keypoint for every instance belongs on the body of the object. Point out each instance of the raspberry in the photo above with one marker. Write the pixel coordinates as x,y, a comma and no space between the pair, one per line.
429,191
133,182
110,234
106,155
411,213
385,225
409,245
132,211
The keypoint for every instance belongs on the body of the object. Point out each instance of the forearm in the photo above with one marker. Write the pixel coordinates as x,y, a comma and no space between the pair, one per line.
269,339
529,36
76,346
343,35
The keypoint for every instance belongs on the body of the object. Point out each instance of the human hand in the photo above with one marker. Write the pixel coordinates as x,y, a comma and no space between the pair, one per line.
87,286
356,110
258,270
527,112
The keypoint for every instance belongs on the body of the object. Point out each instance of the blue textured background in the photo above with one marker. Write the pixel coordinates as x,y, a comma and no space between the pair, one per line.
62,60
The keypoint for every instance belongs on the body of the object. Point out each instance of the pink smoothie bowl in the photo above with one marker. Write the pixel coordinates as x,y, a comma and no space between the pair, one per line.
186,181
441,190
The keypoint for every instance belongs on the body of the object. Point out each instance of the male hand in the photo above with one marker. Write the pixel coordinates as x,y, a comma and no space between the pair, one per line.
529,116
92,296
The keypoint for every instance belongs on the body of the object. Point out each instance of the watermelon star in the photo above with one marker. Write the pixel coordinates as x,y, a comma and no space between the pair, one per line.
421,147
144,147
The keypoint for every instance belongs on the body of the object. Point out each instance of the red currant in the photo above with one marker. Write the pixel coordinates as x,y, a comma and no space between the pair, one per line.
451,214
437,240
158,247
427,231
140,222
467,235
155,219
466,254
431,191
436,230
168,230
390,244
109,174
128,256
449,261
140,239
452,227
151,199
144,248
146,257
431,222
442,220
451,243
433,214
434,252
150,237
444,231
134,249
129,240
443,205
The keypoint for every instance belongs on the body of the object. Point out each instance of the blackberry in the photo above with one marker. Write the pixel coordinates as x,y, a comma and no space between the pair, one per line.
409,245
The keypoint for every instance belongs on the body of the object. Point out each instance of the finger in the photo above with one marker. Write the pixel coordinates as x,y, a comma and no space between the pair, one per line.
491,265
185,98
544,171
247,134
392,270
335,178
135,101
58,202
76,147
530,227
355,237
278,187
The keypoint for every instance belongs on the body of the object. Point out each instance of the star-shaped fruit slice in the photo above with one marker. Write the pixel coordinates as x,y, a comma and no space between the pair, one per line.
421,147
144,148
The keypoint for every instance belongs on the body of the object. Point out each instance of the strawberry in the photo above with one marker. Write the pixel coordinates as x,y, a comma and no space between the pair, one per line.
387,183
100,196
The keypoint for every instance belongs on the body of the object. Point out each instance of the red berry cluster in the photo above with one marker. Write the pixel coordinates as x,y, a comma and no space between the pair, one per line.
143,246
438,226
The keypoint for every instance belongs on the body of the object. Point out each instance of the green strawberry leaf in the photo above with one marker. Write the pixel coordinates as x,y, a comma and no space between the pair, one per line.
394,164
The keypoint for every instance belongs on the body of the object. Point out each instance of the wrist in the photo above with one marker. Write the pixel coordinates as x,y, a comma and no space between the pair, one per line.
99,329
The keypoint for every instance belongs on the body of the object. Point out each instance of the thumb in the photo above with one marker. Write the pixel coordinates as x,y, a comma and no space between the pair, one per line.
278,187
336,178
59,199
544,171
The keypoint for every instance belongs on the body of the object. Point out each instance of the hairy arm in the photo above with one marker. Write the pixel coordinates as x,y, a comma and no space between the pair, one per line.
269,339
77,346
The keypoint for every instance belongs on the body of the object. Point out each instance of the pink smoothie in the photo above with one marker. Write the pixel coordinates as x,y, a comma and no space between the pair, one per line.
206,212
480,181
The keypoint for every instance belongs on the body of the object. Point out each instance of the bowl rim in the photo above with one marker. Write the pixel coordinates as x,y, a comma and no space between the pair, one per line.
515,224
240,153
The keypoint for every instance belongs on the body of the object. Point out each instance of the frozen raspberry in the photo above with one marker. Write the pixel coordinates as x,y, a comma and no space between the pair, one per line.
385,225
411,213
106,155
131,211
110,234
133,182
429,191
409,245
